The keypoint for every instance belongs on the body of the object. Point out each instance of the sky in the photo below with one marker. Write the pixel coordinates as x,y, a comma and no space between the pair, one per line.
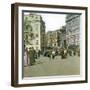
52,21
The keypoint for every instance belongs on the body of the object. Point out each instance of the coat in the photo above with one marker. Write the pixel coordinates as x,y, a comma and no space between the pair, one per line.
31,56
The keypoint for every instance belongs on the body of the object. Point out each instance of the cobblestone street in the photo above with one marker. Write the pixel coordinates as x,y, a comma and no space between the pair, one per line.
45,66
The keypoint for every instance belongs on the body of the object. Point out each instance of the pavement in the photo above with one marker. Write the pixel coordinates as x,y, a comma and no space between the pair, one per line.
45,66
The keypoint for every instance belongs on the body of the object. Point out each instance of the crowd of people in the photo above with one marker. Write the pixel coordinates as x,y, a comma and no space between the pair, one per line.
63,52
30,54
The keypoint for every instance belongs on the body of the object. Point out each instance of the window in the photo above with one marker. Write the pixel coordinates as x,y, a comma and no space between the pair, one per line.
36,35
36,26
36,17
27,27
31,36
37,42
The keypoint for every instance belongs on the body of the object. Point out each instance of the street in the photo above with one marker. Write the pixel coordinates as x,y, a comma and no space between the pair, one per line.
45,66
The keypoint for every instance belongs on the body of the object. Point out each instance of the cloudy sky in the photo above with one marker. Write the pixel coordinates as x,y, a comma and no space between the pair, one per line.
53,21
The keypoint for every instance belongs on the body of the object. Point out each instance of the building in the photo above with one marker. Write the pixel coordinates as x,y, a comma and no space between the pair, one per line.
63,37
53,38
34,31
73,30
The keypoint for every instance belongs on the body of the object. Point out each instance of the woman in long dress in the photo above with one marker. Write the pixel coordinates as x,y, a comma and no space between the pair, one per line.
25,58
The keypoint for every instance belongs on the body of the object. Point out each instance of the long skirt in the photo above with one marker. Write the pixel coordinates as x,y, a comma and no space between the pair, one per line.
25,59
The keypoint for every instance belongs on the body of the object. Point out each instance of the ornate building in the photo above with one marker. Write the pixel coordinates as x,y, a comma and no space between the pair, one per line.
73,29
34,31
53,38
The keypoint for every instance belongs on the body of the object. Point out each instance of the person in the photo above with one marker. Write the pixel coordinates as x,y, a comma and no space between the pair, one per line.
39,52
31,56
28,56
53,54
65,53
25,57
33,53
70,52
62,53
49,53
78,52
74,52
